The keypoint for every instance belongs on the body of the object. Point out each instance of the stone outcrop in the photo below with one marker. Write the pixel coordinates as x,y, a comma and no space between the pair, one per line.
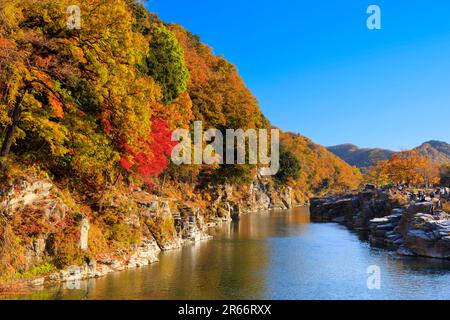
384,232
263,195
40,202
429,235
357,209
190,225
84,233
186,221
142,255
337,209
391,221
41,194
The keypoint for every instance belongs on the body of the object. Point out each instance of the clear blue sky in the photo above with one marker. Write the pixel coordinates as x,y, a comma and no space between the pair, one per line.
317,70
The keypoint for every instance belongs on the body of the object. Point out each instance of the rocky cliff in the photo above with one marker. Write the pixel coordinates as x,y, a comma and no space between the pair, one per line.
391,219
44,226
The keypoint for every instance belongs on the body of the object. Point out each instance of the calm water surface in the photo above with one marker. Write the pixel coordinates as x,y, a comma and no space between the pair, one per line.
278,255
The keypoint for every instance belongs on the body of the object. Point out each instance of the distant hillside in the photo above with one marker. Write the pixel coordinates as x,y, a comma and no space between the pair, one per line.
436,151
360,157
363,158
321,170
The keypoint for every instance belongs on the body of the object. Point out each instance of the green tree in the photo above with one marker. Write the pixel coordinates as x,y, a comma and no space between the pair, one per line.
141,16
289,166
71,99
165,63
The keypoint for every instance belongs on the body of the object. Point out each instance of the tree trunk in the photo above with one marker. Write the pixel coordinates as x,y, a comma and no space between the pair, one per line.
163,183
11,130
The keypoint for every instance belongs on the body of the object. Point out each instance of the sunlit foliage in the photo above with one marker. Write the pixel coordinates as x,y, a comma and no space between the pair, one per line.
405,168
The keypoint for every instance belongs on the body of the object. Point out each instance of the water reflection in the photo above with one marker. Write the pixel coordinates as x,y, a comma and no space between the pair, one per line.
278,255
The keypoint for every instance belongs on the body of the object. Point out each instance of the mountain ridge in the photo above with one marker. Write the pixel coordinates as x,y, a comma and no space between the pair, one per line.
364,158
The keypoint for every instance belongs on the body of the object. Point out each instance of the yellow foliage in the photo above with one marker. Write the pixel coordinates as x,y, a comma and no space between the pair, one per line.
405,168
320,170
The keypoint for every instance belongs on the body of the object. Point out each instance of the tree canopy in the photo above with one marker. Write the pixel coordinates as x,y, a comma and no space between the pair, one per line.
404,168
99,102
165,63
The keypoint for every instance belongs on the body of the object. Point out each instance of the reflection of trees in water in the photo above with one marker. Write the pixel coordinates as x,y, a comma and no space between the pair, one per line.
231,266
244,262
264,225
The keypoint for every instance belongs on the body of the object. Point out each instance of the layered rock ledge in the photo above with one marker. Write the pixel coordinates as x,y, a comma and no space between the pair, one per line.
391,220
37,207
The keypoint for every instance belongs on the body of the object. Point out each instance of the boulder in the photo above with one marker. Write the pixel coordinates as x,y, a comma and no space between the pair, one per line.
429,236
146,253
403,251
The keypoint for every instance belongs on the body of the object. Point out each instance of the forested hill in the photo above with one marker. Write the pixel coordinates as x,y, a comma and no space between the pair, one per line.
437,152
97,104
321,170
362,158
86,121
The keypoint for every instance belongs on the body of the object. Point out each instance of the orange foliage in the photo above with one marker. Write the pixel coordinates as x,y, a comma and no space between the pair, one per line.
58,111
178,114
320,170
405,168
219,95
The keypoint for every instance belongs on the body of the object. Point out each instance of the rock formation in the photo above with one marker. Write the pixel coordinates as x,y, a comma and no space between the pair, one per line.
391,219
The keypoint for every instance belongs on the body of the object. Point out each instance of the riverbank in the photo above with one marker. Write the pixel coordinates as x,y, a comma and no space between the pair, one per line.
392,219
266,255
127,231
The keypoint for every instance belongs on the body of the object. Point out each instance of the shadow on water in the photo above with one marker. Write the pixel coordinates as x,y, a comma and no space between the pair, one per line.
276,255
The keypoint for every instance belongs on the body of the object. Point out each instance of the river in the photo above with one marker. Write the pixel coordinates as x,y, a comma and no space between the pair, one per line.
278,255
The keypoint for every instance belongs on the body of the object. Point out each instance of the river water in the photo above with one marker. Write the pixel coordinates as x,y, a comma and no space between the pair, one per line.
278,255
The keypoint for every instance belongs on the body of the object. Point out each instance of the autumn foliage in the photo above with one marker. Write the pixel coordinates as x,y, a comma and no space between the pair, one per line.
98,103
320,171
93,109
405,168
149,162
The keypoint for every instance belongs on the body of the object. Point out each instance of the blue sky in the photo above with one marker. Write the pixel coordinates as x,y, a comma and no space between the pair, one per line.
317,70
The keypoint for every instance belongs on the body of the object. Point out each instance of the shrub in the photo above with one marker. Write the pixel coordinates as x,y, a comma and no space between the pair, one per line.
41,269
446,206
97,243
289,167
12,253
166,64
162,228
123,234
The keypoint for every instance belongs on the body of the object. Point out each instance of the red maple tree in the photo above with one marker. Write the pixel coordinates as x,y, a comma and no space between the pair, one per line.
149,162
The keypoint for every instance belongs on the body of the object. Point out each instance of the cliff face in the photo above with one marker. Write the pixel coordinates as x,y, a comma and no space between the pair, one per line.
392,220
51,238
